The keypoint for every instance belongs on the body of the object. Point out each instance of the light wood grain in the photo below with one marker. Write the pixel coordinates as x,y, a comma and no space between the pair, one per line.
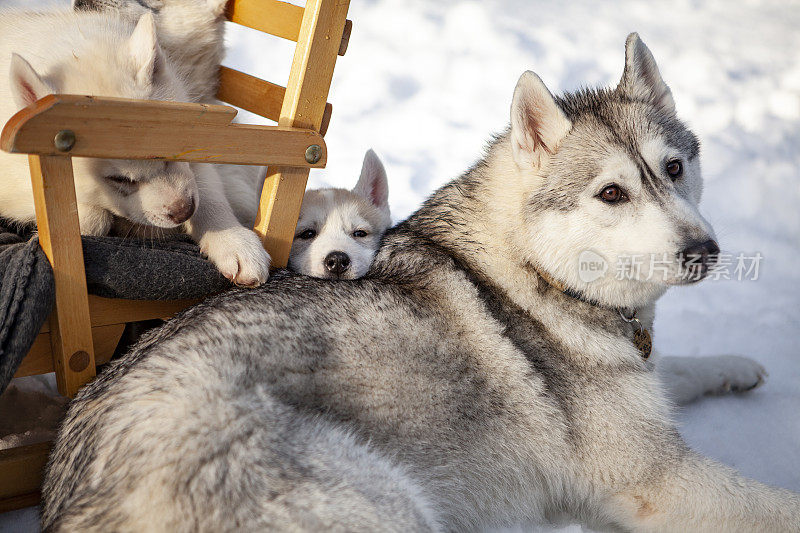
39,359
270,16
303,107
59,237
105,311
276,18
137,129
108,317
255,95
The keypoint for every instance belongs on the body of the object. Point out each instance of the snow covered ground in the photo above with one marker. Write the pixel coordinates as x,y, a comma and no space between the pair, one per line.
425,83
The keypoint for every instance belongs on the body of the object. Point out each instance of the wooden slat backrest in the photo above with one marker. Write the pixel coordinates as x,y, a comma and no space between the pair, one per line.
282,20
277,18
270,16
304,105
256,95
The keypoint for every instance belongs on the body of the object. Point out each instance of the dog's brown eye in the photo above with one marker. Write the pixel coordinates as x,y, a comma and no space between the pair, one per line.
674,169
612,194
359,233
307,234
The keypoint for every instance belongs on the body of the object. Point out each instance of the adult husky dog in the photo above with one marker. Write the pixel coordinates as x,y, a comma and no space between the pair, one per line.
497,395
105,54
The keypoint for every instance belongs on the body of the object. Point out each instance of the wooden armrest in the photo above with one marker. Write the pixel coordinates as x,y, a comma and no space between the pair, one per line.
118,128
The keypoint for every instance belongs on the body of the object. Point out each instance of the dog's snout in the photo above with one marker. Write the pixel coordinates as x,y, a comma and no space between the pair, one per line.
181,210
336,263
701,253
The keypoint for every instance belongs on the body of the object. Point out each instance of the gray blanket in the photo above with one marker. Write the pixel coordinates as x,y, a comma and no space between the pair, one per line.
169,269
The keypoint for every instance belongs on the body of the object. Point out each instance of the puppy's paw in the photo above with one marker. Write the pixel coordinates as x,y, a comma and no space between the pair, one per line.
238,254
737,374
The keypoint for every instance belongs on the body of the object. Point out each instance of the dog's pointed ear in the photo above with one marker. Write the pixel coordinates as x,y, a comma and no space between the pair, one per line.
217,7
87,5
26,84
144,49
373,184
537,123
641,79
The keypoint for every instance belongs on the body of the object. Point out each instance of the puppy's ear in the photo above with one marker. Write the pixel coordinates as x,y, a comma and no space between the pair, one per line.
537,123
641,79
217,7
26,85
144,49
373,184
89,5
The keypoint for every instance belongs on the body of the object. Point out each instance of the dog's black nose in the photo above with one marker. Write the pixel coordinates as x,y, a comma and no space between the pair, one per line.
181,211
337,263
700,254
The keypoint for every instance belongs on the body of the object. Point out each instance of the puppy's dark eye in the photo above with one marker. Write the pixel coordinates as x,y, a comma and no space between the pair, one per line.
123,184
612,194
359,233
121,180
674,168
307,234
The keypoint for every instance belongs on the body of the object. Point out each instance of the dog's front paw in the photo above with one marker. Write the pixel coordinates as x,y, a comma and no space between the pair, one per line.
737,374
238,254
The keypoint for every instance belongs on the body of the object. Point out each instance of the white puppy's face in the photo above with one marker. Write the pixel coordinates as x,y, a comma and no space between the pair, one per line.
339,231
156,193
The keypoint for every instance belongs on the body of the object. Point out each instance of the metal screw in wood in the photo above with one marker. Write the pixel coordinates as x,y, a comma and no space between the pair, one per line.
65,140
313,153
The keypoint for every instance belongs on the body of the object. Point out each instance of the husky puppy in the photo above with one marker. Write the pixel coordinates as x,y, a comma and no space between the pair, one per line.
339,231
472,355
104,54
191,33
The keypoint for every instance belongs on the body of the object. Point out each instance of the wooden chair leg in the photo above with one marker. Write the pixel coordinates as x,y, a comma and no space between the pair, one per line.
60,238
303,107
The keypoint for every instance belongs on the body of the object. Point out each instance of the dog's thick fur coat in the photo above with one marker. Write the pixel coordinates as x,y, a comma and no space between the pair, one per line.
497,397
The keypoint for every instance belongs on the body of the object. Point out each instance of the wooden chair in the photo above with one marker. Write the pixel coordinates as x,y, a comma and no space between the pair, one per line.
83,330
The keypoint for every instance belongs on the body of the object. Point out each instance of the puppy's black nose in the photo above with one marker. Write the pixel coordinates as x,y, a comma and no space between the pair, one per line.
337,263
181,211
700,254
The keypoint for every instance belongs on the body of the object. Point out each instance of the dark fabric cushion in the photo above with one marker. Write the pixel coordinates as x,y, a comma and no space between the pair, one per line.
169,269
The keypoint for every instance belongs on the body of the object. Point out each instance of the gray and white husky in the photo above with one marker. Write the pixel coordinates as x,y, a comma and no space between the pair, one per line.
338,231
472,378
107,54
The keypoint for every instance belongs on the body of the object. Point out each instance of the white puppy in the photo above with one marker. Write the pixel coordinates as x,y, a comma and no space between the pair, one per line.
105,54
191,33
339,230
